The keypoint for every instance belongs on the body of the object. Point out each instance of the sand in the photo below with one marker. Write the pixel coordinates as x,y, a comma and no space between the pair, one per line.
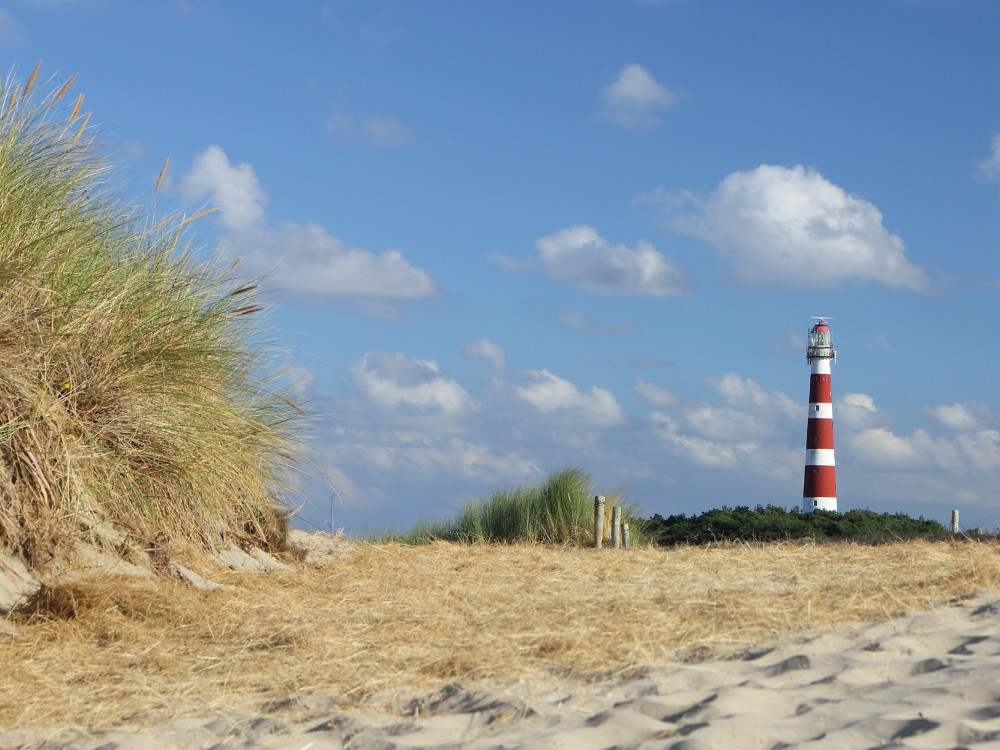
921,680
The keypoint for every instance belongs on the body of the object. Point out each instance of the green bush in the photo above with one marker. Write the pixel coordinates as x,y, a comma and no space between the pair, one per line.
771,522
134,396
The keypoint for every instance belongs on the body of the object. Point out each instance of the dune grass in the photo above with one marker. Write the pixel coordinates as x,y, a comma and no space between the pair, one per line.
389,621
559,510
134,399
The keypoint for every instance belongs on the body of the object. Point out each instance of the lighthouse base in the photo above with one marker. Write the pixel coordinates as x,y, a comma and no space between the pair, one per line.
810,504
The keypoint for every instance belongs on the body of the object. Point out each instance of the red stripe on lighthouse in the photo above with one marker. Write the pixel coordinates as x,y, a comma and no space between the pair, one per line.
820,481
819,389
819,434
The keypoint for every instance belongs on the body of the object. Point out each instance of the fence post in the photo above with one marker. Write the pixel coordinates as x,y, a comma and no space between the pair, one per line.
616,527
598,521
954,522
625,535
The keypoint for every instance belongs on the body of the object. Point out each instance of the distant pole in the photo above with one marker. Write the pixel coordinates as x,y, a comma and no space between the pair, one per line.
625,535
616,527
954,522
598,521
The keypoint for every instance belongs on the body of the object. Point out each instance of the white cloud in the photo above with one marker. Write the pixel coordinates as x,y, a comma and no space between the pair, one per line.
633,99
744,393
881,449
511,264
307,258
726,423
990,167
235,190
579,255
652,393
953,416
10,30
780,227
302,258
554,396
857,411
383,131
484,349
420,456
410,391
730,451
580,322
795,343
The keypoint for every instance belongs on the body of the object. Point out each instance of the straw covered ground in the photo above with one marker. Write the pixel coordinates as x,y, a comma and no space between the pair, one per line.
388,621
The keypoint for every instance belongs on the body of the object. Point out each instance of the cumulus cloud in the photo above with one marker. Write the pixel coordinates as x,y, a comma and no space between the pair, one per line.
726,423
409,390
653,394
552,395
303,258
383,131
379,454
306,258
953,416
484,349
771,459
880,448
745,393
235,190
579,255
634,98
857,411
780,227
990,167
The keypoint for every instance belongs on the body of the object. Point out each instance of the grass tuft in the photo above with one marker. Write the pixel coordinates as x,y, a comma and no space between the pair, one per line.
559,510
134,396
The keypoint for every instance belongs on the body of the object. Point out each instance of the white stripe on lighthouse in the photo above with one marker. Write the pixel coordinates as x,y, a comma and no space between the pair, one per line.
819,457
820,411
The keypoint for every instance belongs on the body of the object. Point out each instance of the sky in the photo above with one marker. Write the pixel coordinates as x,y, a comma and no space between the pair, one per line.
503,238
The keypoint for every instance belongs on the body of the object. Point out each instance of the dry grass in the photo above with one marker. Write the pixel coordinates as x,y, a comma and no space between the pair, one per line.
137,396
393,616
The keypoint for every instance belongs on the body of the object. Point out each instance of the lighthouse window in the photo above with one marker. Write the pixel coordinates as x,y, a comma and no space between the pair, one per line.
816,407
815,438
815,471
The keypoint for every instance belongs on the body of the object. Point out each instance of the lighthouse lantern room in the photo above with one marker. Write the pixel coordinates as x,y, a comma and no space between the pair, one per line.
819,488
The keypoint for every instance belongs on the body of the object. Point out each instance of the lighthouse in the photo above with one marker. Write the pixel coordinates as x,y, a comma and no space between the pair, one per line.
819,488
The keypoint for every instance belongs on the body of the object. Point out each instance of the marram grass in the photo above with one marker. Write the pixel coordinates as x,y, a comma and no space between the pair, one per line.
134,394
559,510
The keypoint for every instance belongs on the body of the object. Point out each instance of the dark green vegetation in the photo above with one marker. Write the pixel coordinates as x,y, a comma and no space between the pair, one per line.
769,523
559,510
135,399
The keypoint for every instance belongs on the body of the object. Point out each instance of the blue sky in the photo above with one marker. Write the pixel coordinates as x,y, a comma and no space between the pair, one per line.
508,237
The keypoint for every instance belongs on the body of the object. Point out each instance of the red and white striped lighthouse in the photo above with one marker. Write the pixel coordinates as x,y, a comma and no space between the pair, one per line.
819,488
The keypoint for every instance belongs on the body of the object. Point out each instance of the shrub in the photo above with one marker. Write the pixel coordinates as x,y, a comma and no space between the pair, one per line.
133,395
771,522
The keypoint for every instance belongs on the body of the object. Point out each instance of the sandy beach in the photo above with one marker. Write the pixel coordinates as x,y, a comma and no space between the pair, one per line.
921,679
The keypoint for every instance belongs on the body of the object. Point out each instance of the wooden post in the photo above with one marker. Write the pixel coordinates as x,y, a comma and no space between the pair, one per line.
598,521
625,535
954,522
616,527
